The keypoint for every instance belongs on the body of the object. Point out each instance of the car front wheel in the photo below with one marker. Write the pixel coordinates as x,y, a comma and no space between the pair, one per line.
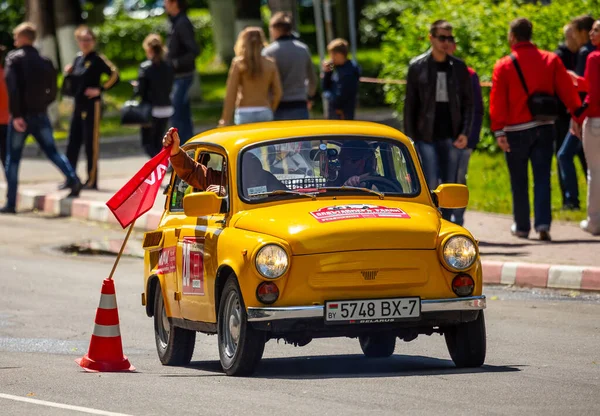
240,345
175,346
377,345
467,342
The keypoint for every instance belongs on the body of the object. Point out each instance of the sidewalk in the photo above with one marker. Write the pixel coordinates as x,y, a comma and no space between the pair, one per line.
568,262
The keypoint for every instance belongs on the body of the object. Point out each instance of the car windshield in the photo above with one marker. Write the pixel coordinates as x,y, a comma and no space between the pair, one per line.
327,164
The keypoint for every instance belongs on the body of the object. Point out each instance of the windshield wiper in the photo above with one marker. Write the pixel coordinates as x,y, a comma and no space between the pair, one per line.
353,188
280,192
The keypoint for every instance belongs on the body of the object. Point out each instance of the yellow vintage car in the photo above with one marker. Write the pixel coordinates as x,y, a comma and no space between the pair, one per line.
317,229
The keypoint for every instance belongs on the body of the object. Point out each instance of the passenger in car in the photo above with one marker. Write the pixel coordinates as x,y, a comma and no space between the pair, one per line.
190,171
254,178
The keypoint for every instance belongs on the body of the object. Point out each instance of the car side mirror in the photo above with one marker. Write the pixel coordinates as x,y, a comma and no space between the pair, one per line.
452,195
202,204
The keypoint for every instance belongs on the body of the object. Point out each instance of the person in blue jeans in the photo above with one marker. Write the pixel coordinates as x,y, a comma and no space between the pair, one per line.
572,145
464,155
25,71
438,108
182,52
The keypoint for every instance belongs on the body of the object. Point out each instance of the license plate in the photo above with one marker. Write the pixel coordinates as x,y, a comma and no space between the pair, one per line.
372,310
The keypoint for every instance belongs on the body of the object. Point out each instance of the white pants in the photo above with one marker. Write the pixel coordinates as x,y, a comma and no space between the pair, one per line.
591,148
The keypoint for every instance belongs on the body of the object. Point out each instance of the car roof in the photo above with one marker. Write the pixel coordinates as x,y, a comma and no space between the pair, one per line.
234,138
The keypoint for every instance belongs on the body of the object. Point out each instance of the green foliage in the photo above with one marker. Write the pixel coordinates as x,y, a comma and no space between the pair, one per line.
480,28
121,39
11,14
375,19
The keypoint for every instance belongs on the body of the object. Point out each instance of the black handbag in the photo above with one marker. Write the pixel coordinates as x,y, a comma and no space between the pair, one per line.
543,107
67,90
136,113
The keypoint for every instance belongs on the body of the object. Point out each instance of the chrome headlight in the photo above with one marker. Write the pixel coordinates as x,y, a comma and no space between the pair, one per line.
460,252
272,261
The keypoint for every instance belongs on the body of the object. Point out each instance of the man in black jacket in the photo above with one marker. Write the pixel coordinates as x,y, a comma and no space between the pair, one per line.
182,53
438,108
26,72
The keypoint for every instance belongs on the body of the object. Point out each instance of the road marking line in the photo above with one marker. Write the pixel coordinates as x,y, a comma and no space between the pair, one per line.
60,405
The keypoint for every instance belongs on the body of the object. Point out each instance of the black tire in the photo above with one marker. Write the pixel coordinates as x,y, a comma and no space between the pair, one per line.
240,347
467,342
175,346
379,345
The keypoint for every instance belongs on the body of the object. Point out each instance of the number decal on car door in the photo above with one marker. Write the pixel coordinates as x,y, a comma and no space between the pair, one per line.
193,266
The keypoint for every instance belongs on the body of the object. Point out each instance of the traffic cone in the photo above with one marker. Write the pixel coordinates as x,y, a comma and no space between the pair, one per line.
106,350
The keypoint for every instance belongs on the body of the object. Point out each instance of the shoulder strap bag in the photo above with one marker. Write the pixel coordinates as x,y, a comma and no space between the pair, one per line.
543,107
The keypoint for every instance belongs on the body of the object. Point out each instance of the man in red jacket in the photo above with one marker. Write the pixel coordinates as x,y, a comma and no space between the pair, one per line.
522,136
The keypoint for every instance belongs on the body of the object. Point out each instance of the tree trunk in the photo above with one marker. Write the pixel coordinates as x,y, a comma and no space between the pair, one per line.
40,13
67,16
288,6
341,19
223,18
247,13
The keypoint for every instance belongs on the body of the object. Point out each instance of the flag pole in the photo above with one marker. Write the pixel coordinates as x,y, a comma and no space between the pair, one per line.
112,272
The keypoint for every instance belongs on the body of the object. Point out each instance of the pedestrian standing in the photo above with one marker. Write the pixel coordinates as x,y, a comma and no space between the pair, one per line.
526,134
85,74
155,81
590,115
4,114
340,81
253,85
572,145
31,83
182,52
296,70
438,108
464,155
567,52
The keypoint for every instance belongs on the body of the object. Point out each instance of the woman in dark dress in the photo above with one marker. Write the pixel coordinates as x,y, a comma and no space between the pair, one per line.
155,81
84,76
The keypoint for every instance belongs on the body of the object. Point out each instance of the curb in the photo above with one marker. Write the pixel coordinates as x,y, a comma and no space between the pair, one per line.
541,275
89,210
494,272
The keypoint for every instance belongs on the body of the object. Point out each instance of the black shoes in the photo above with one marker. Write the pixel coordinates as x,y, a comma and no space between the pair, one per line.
545,236
76,187
8,210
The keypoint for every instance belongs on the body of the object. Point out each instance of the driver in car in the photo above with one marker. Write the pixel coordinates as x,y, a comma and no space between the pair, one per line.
357,161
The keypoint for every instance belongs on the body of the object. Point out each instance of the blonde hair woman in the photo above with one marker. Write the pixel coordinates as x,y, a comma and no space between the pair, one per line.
253,84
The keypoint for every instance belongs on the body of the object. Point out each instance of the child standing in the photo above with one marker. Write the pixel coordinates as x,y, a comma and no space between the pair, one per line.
340,82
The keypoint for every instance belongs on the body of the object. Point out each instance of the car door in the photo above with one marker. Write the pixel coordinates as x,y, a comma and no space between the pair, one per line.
170,258
197,244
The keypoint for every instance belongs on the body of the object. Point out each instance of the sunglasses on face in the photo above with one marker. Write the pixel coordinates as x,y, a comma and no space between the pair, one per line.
444,38
85,40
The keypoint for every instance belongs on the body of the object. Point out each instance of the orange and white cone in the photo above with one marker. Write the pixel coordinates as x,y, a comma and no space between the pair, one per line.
106,350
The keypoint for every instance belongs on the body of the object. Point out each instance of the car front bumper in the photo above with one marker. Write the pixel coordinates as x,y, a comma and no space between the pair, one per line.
268,314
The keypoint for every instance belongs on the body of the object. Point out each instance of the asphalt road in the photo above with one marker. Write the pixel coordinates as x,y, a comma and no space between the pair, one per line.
543,351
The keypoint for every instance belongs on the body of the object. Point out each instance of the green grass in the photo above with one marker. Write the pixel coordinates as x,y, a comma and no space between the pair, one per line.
489,187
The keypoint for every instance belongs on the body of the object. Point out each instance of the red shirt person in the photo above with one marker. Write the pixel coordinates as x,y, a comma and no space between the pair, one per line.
518,133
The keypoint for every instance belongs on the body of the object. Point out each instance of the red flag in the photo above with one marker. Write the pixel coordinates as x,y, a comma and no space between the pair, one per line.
138,195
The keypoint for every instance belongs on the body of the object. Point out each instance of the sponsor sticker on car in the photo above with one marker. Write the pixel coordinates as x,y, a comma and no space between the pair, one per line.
356,211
